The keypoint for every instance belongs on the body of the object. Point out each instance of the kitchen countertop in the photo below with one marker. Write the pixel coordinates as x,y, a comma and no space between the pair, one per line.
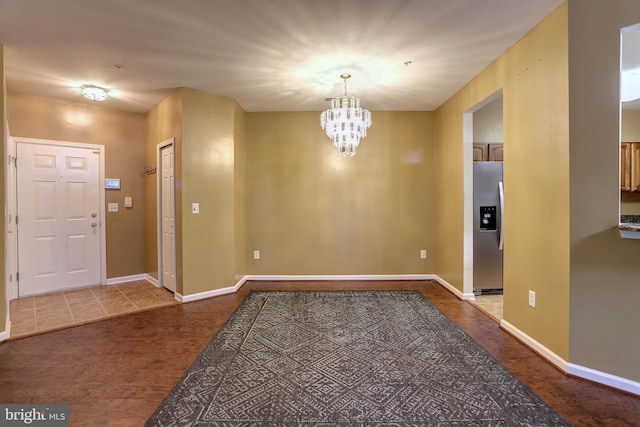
629,226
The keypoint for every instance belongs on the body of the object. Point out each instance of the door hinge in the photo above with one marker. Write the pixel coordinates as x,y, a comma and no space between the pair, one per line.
10,277
16,219
17,277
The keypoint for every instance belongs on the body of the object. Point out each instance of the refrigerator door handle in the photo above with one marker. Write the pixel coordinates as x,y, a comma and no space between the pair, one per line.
501,192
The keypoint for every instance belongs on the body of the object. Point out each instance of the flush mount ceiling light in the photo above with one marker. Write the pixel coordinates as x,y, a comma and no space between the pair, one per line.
345,122
94,93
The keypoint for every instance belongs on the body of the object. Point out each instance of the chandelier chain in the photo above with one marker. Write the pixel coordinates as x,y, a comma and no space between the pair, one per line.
344,78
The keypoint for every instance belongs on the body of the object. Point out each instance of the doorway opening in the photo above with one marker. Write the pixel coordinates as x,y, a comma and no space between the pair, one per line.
483,208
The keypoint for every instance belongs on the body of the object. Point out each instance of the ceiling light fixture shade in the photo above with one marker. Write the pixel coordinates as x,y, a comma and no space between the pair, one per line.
345,122
94,93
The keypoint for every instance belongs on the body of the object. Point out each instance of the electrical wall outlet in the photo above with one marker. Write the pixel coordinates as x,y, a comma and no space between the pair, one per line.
423,253
532,299
112,207
256,254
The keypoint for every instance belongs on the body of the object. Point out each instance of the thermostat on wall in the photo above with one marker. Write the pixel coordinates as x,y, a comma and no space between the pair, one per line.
112,183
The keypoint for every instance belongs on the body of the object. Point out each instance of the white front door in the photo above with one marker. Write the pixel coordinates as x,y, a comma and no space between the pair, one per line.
168,232
59,218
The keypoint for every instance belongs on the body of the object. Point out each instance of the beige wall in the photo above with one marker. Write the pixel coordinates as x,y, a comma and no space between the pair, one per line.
163,122
605,272
630,126
122,134
311,212
3,117
208,178
533,76
487,125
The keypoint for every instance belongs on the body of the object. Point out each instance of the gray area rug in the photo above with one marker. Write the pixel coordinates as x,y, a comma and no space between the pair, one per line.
347,358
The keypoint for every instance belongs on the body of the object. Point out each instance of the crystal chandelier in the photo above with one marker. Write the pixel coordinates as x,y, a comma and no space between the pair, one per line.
345,122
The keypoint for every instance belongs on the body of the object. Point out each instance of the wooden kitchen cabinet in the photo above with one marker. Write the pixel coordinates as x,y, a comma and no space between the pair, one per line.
625,166
496,153
484,152
630,166
480,152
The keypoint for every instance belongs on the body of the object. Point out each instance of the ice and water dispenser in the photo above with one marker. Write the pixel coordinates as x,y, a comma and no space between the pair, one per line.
488,221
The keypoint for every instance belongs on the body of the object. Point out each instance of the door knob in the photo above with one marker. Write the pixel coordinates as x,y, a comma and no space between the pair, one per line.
94,224
93,215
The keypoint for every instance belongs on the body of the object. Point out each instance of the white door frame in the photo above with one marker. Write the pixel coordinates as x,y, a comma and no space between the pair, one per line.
11,242
467,151
12,147
159,148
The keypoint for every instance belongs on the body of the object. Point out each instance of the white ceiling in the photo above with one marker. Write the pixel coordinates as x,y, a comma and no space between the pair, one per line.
269,55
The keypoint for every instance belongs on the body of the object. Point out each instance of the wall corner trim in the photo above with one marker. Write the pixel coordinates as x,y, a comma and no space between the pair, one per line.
453,289
212,293
609,380
149,278
534,345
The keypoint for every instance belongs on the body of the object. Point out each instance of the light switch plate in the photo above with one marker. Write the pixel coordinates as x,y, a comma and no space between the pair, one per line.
112,207
128,202
532,299
195,208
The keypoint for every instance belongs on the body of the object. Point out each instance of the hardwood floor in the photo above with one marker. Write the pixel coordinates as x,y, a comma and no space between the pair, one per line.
117,371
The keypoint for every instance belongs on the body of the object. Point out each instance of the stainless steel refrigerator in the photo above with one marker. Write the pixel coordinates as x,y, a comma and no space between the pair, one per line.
488,239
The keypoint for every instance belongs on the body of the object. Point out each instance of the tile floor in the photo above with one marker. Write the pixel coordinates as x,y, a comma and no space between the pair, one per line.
44,313
490,305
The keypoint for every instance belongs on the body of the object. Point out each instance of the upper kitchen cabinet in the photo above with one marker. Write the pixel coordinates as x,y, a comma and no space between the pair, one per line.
495,153
480,152
487,152
630,166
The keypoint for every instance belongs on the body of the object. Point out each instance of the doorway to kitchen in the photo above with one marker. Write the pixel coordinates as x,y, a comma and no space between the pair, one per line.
484,205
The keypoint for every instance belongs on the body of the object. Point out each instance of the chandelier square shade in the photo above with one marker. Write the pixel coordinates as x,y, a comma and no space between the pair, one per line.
345,123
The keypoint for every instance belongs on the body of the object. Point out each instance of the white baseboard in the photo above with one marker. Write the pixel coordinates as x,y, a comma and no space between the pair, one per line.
604,378
453,289
213,293
304,277
534,345
149,278
238,285
123,279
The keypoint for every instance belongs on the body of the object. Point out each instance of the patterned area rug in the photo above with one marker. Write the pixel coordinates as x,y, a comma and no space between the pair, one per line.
347,358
